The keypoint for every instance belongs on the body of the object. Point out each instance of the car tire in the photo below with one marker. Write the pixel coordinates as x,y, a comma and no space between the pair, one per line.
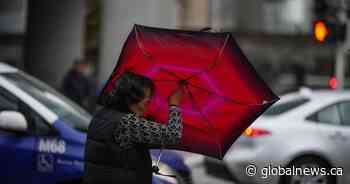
309,162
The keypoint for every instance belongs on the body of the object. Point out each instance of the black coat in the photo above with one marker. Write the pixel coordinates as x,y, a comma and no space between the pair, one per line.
117,147
106,163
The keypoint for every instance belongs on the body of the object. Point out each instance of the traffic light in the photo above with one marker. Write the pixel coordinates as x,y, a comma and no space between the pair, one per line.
320,8
321,31
326,27
328,32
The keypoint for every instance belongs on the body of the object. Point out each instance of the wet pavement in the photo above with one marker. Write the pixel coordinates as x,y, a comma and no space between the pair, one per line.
199,176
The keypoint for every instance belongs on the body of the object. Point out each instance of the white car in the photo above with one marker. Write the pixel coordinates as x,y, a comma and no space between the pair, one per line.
306,129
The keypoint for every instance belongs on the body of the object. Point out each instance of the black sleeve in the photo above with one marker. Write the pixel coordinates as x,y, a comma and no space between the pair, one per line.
133,129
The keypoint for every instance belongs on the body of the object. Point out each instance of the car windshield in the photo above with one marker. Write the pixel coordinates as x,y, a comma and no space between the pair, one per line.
68,111
283,107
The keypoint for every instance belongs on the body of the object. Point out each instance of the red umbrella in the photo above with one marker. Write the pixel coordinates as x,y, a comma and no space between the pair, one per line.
223,93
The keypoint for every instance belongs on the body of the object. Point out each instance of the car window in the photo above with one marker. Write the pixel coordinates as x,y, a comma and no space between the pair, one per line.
68,111
36,124
7,102
329,115
344,109
280,108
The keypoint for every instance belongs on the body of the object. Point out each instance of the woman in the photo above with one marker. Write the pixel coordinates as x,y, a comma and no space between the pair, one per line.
119,138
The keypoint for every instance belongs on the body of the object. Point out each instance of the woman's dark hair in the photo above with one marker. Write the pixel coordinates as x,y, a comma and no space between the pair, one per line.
128,89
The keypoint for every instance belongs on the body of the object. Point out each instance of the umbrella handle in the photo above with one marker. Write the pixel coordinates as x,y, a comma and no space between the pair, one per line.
159,155
155,168
178,92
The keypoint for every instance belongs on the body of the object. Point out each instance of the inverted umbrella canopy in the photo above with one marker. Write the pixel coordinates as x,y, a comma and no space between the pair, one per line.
223,94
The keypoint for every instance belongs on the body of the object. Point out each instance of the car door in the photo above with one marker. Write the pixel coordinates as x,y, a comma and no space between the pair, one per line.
45,148
16,149
344,110
335,133
7,152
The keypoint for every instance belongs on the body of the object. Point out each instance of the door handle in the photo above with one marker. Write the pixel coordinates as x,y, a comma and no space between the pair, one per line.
338,136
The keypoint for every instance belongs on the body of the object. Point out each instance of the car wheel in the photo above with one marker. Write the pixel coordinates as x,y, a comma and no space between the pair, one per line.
308,162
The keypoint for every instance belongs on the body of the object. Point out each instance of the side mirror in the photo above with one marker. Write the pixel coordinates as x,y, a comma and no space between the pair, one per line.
13,121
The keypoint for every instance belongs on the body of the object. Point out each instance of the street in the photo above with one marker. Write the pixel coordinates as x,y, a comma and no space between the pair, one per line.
199,175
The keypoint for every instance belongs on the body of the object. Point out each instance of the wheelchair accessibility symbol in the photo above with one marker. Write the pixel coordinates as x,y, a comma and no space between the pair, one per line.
45,163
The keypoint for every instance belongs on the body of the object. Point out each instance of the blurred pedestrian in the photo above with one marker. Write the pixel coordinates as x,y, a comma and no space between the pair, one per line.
119,137
77,83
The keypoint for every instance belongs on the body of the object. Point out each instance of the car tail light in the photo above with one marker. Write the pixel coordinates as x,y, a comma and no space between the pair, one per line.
333,83
255,132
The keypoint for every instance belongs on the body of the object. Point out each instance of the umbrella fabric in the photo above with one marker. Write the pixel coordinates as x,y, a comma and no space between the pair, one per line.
223,93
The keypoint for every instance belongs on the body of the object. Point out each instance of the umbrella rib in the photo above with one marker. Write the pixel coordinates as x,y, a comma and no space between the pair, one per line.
216,60
140,45
171,73
205,118
220,96
163,80
210,92
148,56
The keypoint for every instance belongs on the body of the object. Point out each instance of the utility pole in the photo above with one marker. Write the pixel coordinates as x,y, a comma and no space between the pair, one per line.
332,20
342,47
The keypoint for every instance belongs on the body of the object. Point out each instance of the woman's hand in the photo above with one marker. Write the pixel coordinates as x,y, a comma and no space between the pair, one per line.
175,98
